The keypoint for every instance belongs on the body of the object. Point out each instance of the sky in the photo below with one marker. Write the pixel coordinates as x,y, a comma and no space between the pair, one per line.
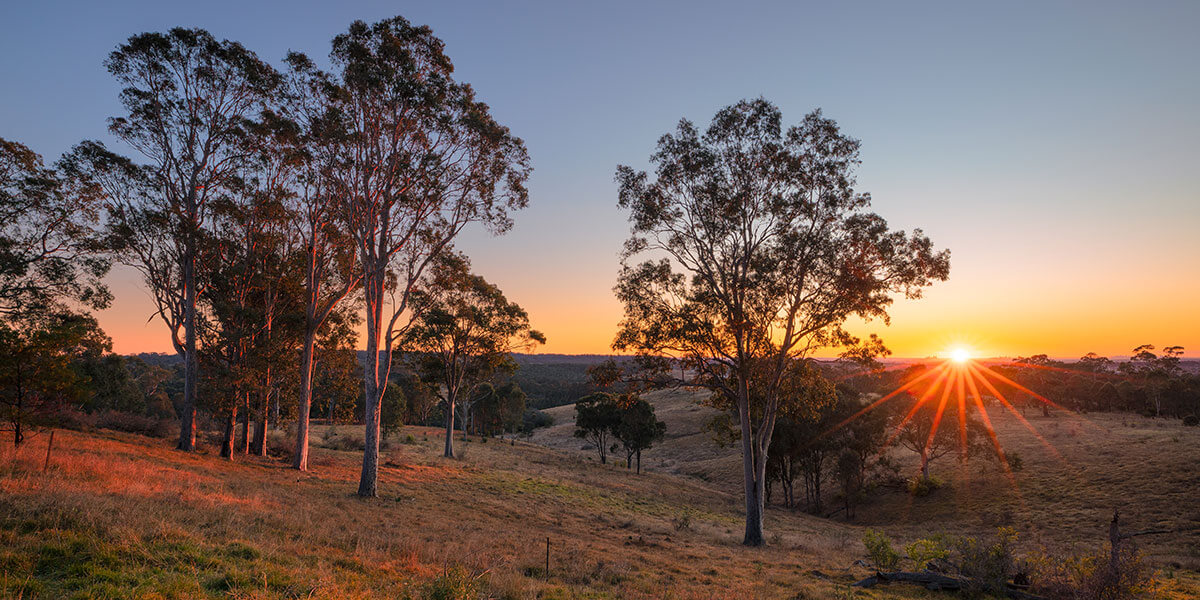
1051,146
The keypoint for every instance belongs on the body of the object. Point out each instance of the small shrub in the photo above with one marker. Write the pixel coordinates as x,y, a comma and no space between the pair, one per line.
1015,462
879,550
1191,420
988,567
924,486
454,584
683,521
924,550
409,439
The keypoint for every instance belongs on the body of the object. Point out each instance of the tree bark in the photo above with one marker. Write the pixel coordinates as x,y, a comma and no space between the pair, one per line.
449,450
753,471
367,483
300,456
191,368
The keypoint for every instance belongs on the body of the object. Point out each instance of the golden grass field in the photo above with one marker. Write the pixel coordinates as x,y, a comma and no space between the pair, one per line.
123,516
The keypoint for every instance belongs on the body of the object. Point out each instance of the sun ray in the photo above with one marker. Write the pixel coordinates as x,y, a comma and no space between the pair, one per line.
932,389
991,432
1040,397
937,418
938,369
1012,409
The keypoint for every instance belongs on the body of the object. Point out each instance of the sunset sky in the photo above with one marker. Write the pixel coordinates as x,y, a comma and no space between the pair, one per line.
1053,147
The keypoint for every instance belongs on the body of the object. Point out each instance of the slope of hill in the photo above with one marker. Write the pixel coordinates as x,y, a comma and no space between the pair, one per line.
1076,469
123,516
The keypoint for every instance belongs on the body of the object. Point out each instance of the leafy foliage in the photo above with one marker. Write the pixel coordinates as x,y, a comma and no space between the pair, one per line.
760,249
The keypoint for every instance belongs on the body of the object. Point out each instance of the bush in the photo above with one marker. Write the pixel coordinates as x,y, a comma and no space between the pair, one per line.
879,551
130,423
925,550
1090,576
1015,462
683,521
988,567
534,419
924,486
1191,420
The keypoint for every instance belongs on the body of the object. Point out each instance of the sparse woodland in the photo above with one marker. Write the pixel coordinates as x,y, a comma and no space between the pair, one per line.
275,210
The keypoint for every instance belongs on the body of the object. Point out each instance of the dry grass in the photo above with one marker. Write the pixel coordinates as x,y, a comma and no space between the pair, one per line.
123,516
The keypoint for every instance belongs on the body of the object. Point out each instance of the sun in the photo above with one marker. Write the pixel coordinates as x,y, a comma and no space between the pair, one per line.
960,355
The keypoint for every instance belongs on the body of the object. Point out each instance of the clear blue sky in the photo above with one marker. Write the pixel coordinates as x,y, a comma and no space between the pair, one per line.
1052,146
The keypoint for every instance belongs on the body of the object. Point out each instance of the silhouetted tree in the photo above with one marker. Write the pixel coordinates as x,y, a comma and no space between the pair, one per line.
638,428
764,250
934,425
49,244
596,416
189,99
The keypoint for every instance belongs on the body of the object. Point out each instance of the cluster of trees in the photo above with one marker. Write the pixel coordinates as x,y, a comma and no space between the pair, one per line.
612,421
833,433
841,434
51,270
271,212
1149,382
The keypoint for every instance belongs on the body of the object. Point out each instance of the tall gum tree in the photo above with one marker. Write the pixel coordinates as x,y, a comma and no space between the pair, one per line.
188,98
757,250
319,220
418,158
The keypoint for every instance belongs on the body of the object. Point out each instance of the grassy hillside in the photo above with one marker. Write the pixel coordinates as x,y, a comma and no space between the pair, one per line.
122,516
1072,478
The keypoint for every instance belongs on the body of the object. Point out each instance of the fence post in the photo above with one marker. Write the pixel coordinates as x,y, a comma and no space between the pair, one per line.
49,445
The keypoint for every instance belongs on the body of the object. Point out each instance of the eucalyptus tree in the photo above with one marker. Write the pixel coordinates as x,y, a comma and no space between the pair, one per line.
638,428
464,332
319,225
49,240
758,250
417,159
189,99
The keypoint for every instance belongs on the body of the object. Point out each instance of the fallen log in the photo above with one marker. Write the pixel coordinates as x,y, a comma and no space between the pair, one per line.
935,581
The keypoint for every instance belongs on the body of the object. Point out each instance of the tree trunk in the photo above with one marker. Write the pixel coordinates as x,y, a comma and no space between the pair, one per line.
300,456
260,430
753,472
367,483
274,420
449,450
639,459
925,464
230,428
191,368
245,447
